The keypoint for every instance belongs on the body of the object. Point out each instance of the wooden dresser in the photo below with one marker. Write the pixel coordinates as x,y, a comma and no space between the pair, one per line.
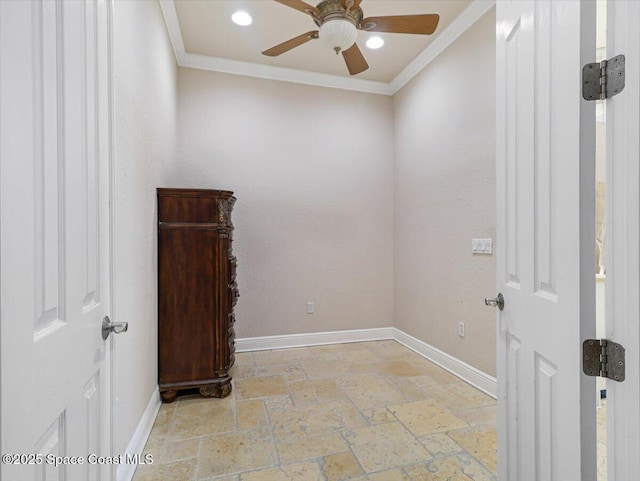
197,291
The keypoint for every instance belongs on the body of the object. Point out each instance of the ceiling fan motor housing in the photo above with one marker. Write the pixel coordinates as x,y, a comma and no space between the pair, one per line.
338,27
330,9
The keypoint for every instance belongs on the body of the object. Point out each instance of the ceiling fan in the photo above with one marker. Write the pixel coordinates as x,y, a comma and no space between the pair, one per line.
339,22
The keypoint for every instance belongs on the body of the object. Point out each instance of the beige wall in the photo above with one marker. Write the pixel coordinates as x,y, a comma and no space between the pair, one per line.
311,168
445,196
144,148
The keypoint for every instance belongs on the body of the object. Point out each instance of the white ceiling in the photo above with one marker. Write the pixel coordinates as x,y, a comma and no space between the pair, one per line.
204,36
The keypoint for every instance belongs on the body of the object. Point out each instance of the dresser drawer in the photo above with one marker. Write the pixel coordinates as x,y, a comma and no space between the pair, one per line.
193,207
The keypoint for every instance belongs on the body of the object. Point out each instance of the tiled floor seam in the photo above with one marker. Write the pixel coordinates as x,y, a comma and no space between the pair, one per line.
270,424
351,451
321,462
198,459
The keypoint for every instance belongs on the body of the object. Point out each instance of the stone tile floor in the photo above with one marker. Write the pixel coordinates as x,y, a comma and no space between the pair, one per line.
368,411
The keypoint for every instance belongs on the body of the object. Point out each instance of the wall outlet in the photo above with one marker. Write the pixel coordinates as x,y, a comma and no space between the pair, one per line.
309,307
461,329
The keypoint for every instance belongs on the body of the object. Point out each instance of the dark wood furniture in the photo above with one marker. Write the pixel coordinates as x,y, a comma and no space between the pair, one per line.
197,290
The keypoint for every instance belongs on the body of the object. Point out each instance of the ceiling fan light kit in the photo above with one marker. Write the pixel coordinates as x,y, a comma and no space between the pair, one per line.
339,22
338,34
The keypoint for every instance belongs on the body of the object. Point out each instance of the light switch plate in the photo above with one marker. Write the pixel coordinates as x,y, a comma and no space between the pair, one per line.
482,246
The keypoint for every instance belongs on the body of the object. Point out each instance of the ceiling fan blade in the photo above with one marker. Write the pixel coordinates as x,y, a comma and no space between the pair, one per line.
356,4
300,5
355,60
289,44
420,24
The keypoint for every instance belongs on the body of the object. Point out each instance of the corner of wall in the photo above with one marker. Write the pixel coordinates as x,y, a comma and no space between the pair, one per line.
144,130
444,195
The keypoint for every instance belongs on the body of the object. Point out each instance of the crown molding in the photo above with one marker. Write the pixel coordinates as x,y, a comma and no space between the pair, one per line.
462,23
168,8
272,72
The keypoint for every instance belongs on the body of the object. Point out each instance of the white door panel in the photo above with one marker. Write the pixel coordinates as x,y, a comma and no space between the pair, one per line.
623,242
545,183
54,175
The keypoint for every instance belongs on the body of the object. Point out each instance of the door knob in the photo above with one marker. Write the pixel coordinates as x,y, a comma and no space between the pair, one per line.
497,302
116,327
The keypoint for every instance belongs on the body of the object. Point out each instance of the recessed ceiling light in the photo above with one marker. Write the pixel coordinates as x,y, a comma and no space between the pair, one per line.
375,42
241,18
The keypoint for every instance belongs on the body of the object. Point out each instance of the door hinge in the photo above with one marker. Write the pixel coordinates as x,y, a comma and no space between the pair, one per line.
603,80
603,358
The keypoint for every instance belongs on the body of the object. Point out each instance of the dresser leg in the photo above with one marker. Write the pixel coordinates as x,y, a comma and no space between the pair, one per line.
169,396
216,390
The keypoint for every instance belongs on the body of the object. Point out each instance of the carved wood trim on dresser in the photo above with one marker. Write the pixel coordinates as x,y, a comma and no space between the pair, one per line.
197,291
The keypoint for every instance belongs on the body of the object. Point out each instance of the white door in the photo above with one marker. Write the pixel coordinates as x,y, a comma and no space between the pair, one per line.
54,244
623,242
545,240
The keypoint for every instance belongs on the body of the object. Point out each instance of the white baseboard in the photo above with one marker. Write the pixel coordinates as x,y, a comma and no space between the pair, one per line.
475,377
312,339
464,371
125,472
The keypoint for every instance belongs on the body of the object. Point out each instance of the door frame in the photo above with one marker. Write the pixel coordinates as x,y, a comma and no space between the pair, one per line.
623,244
110,361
